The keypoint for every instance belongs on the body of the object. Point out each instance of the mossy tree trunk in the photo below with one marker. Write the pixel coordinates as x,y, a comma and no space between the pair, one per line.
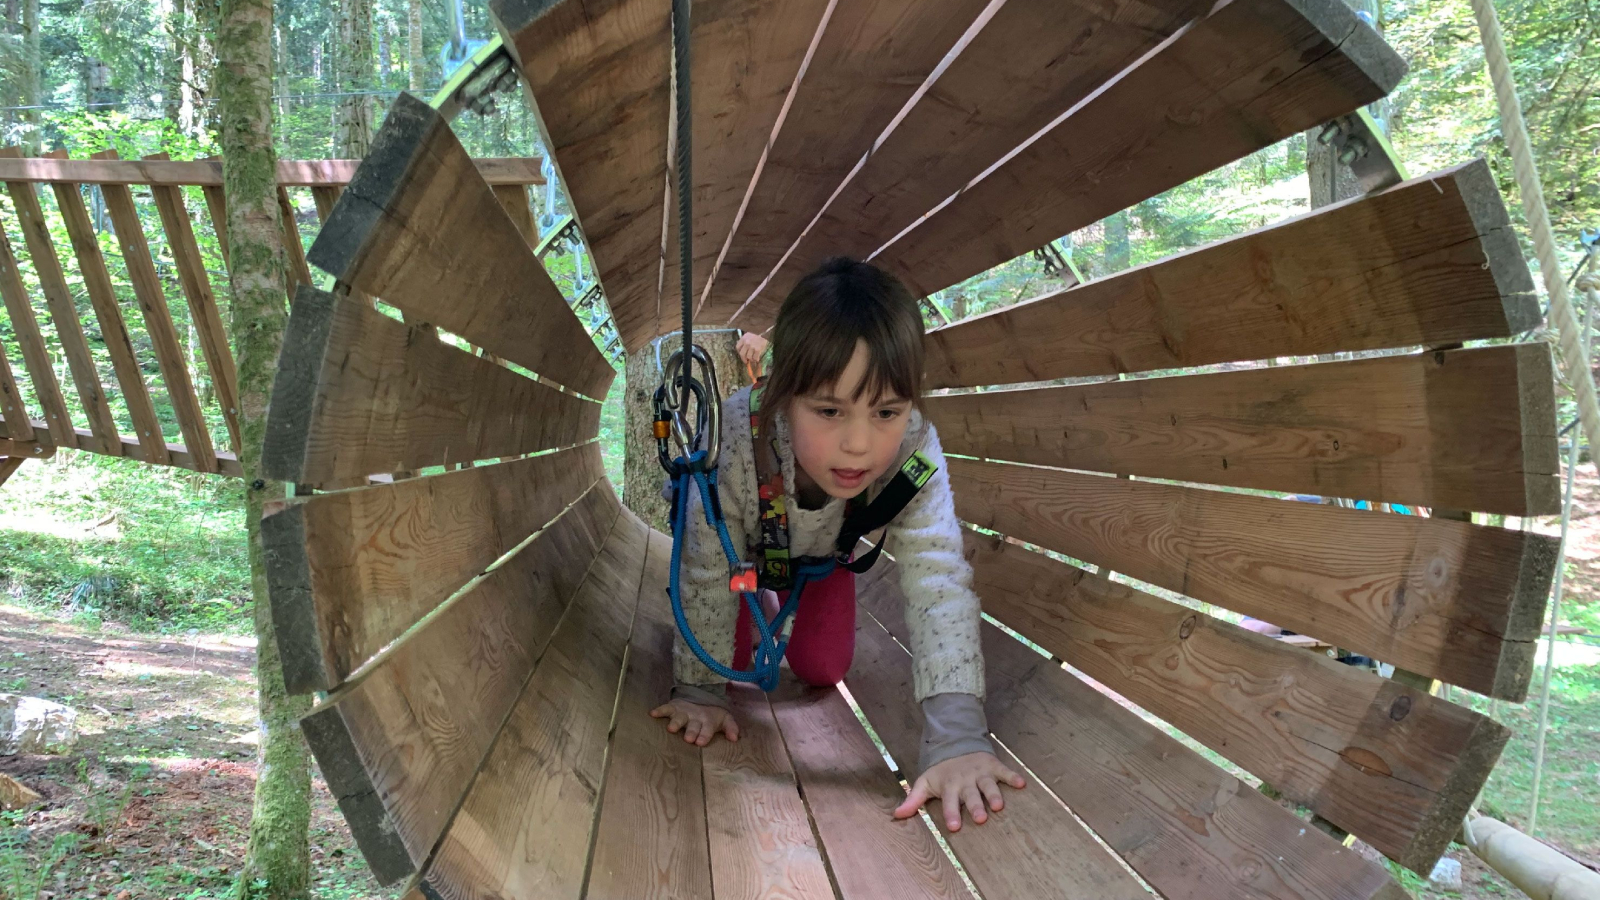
353,118
642,477
278,864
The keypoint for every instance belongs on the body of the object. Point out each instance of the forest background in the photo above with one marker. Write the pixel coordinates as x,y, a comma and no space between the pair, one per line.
96,544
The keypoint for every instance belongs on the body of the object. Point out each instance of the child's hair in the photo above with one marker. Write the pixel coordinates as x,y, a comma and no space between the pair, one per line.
843,301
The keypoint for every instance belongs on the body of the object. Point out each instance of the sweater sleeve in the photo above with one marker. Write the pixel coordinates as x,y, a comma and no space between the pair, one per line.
708,605
942,612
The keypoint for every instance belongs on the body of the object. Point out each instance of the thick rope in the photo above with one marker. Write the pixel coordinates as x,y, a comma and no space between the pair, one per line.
1569,335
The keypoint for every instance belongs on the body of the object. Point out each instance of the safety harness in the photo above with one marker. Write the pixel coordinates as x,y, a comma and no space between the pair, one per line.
769,545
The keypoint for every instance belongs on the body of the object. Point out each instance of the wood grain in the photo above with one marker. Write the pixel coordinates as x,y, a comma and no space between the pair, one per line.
650,840
598,73
1248,74
358,392
760,832
1432,261
422,719
970,116
1394,766
169,351
64,314
1189,829
1031,848
350,571
419,227
1455,601
1470,429
744,60
203,310
872,57
525,827
113,328
851,794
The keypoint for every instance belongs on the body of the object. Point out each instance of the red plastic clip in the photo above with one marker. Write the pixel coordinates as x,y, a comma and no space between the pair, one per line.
743,581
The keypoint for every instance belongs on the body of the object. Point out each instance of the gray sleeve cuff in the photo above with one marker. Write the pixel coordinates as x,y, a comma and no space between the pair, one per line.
953,725
707,694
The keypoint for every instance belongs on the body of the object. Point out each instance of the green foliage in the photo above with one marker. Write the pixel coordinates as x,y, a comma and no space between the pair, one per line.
102,538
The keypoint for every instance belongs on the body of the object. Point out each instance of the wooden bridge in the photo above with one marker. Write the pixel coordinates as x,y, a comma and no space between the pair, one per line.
203,439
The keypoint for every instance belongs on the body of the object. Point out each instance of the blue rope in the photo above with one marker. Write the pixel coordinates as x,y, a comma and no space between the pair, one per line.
767,655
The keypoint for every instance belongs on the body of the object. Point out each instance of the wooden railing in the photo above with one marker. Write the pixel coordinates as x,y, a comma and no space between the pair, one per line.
151,366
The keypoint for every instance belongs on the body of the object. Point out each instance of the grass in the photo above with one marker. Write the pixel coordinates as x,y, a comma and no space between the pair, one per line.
95,537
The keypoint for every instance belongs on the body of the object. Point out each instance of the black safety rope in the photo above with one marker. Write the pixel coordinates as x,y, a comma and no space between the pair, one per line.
680,64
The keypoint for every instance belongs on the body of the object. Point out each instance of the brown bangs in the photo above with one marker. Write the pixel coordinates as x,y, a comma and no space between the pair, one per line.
821,320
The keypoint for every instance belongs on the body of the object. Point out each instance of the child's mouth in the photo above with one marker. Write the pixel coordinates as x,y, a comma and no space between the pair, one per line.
849,477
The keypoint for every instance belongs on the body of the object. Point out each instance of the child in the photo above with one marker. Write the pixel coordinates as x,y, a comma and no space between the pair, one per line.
841,402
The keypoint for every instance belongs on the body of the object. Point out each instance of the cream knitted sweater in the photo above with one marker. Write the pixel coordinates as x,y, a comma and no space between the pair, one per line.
925,540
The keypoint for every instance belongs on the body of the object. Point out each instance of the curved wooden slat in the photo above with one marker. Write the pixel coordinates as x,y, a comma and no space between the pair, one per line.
598,72
1393,765
1467,429
350,571
1248,74
1033,847
400,745
358,392
1191,830
1432,261
971,115
872,57
419,227
851,794
650,840
745,56
762,843
1447,599
525,826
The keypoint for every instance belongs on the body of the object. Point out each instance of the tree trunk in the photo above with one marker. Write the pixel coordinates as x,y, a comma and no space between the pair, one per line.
385,61
31,62
278,865
642,477
171,12
414,62
353,124
1119,251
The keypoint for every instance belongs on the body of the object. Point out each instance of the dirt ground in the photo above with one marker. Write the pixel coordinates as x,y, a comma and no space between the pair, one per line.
155,800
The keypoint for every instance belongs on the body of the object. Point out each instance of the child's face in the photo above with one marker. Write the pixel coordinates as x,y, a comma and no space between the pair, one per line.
844,444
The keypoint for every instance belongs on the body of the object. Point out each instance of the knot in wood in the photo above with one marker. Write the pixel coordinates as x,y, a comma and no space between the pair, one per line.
1400,708
1188,626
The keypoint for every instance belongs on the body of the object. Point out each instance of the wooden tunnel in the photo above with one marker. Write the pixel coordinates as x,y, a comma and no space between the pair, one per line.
491,637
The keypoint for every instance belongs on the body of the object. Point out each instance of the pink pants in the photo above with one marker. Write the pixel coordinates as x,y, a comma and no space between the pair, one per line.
824,638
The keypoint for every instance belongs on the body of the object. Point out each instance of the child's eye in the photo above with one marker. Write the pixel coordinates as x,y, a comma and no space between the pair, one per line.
827,412
887,414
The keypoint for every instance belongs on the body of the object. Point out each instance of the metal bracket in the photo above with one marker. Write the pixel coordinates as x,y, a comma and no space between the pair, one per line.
473,85
566,227
1359,143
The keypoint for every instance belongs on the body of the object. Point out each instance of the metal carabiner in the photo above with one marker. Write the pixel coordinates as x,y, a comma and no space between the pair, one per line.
677,386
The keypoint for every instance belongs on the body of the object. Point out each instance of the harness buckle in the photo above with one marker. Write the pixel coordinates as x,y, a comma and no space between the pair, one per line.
743,579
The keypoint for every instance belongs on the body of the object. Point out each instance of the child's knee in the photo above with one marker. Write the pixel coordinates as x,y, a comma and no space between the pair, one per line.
825,672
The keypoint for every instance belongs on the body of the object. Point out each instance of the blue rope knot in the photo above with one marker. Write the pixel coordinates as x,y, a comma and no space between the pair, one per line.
772,640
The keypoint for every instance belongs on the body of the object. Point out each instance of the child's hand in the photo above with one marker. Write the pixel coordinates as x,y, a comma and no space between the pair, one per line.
959,780
698,723
751,346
